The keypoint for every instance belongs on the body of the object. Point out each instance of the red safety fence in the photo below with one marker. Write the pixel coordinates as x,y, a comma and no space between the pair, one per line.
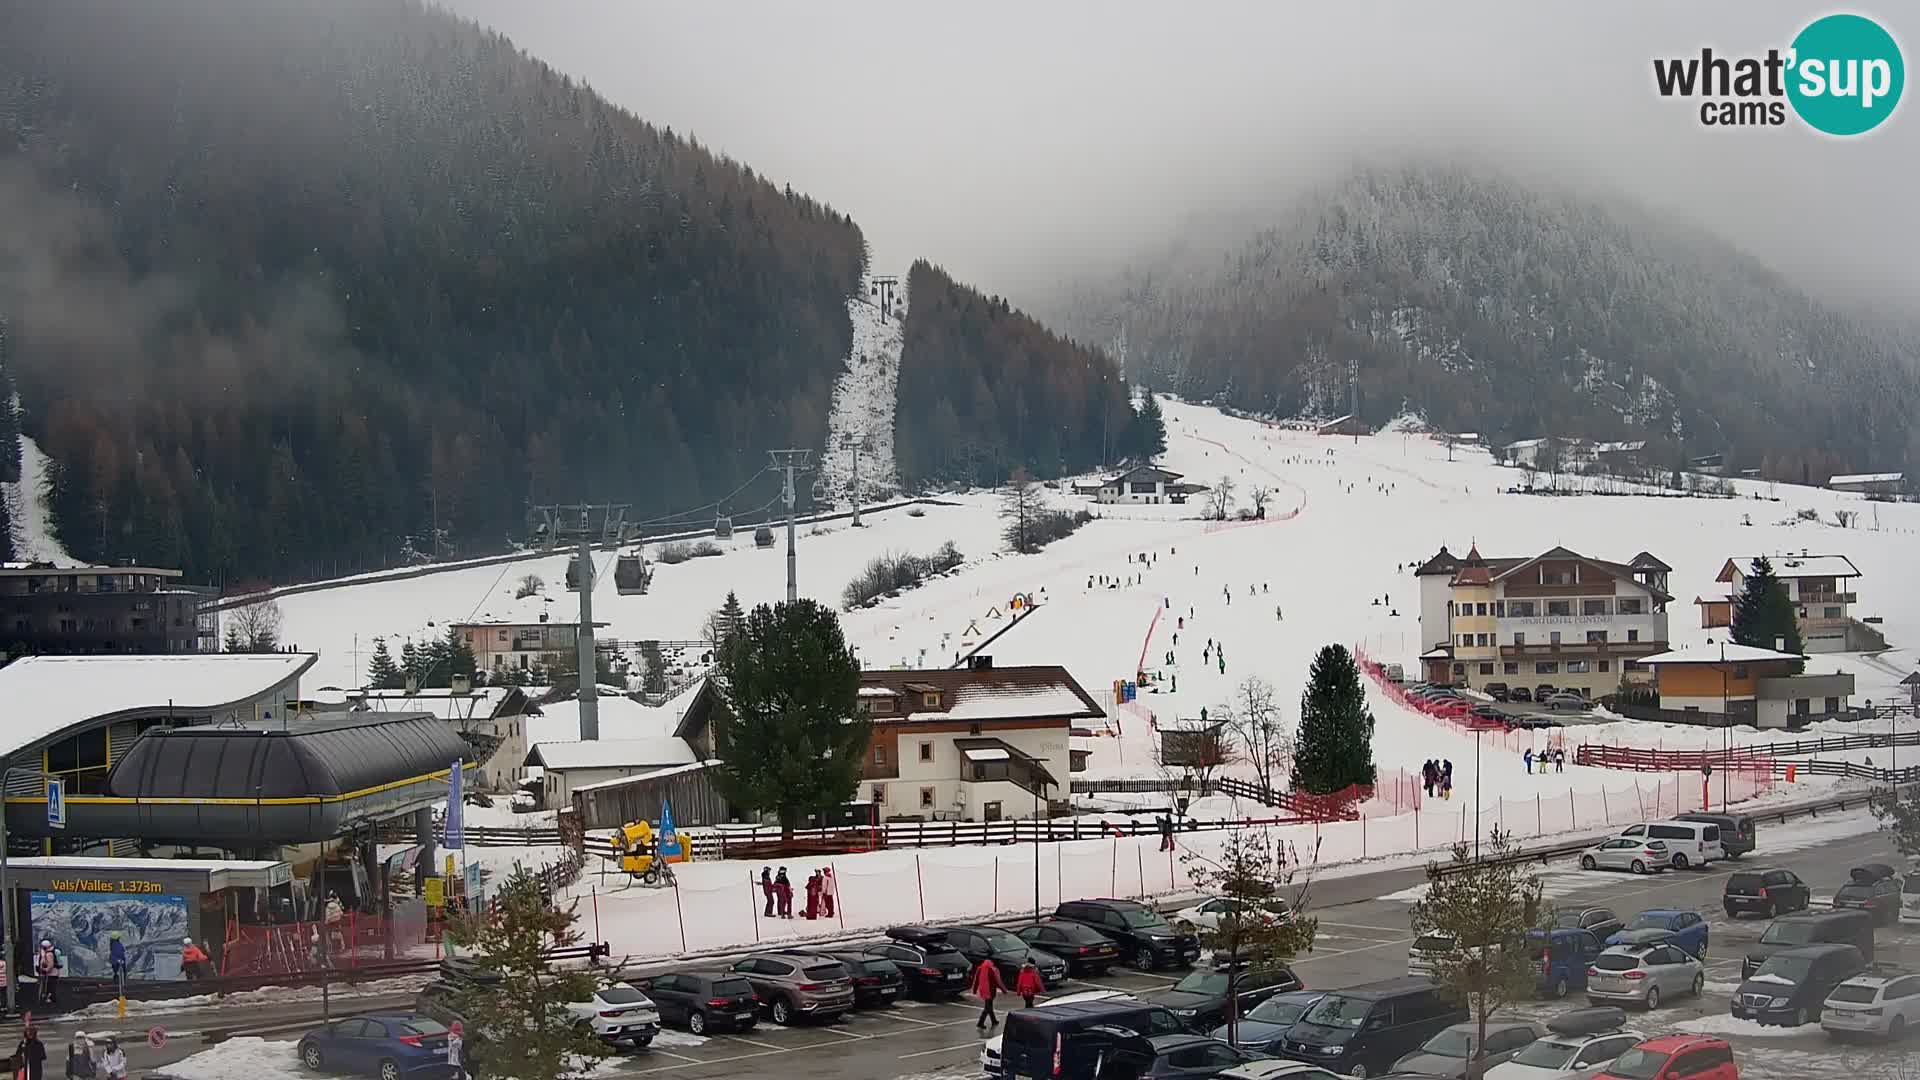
351,941
1455,714
1642,760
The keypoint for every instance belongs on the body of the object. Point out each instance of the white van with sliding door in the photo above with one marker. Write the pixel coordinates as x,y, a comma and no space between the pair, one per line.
1693,843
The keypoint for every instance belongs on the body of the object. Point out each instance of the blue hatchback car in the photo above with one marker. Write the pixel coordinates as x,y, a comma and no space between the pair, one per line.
391,1047
1264,1024
1564,954
1687,929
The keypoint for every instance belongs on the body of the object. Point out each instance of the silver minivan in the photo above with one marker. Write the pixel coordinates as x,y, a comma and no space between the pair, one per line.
1693,843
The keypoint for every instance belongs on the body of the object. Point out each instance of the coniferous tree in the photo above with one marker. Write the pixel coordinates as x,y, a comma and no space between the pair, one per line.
789,739
459,657
382,672
1763,616
1148,438
530,998
413,663
1334,749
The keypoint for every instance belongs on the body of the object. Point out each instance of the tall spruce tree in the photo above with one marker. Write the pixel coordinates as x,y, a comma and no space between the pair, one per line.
1335,746
1763,615
413,663
382,672
788,738
1148,438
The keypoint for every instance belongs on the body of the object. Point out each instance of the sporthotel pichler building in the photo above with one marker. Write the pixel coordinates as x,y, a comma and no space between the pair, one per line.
1558,618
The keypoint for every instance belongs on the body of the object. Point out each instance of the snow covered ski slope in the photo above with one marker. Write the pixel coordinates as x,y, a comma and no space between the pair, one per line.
1346,522
863,405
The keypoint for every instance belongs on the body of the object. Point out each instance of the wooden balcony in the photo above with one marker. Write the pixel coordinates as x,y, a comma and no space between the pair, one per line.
1549,650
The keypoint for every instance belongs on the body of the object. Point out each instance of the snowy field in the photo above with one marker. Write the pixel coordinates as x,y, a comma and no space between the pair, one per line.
1347,522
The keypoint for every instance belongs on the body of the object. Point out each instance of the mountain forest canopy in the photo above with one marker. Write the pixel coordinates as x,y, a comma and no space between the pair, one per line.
290,288
1515,311
985,390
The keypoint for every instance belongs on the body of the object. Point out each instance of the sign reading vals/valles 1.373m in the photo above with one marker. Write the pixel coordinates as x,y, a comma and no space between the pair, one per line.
100,885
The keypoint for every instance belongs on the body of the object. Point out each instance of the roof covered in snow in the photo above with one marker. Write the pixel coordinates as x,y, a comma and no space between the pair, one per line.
1145,473
1038,692
49,695
1792,566
612,754
1867,478
655,774
1716,653
479,704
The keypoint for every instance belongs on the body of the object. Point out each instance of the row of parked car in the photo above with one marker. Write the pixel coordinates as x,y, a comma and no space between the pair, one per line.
1450,704
1402,1027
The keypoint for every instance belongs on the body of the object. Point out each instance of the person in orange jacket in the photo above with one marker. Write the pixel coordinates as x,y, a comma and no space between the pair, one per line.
193,959
1028,983
987,983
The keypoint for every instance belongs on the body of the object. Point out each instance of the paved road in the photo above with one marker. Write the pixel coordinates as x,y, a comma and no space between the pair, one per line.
1363,936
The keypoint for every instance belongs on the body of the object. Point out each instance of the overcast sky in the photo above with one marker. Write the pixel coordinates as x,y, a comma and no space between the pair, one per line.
1018,142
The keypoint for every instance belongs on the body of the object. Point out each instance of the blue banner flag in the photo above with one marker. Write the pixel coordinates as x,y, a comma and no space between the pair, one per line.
456,830
669,840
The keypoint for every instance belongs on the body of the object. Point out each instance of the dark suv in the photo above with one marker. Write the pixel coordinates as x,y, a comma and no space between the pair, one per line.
1363,1030
703,1001
1790,987
930,967
977,943
1145,937
1766,893
1873,888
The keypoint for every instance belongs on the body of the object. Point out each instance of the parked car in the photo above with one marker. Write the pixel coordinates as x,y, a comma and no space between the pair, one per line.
1692,843
1496,690
1200,999
1544,691
1687,929
439,1000
1580,1043
1144,936
1910,898
1042,1041
1644,975
990,1050
1672,1057
1007,951
1206,914
1192,1057
1793,984
1767,893
795,985
1426,949
1087,951
1276,1069
703,1001
618,1012
1566,954
877,982
1876,1004
1519,693
1598,921
1451,1050
1633,853
1872,888
391,1046
1263,1026
1739,833
931,969
1566,699
1361,1030
1853,928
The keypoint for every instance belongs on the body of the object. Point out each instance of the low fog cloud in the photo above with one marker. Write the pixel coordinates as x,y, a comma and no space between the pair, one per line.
1019,143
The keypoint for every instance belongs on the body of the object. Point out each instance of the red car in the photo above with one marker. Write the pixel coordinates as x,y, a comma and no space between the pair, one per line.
1669,1057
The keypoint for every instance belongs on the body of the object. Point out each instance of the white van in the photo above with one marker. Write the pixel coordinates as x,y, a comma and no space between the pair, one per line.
1693,843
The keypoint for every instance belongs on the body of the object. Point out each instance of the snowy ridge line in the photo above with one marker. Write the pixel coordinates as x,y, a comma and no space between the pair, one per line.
408,573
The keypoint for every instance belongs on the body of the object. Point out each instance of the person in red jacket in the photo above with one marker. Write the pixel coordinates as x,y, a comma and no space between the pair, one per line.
1028,983
193,959
987,983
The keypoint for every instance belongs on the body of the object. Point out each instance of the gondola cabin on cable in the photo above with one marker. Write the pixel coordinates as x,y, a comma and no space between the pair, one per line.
722,527
763,537
574,574
632,575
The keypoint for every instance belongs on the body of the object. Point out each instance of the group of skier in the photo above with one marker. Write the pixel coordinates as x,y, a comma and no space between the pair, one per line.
822,892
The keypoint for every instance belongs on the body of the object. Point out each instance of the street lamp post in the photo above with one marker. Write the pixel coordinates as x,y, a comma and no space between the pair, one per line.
1726,730
1476,793
1038,794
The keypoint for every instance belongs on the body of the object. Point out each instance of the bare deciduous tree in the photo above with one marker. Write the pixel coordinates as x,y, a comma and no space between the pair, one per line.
254,628
1259,495
530,585
1192,753
1021,503
1253,718
1220,499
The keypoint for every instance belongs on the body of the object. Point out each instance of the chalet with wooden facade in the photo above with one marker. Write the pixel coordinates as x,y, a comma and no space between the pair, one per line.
1822,590
1144,484
1559,619
1741,684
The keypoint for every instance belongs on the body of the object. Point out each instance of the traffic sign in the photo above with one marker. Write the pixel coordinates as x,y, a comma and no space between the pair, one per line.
56,803
436,892
156,1037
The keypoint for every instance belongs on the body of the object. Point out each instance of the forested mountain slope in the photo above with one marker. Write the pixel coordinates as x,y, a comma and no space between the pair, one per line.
1516,311
292,285
985,389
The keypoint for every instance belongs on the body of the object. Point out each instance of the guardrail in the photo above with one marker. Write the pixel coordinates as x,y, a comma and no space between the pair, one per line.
1742,759
1561,850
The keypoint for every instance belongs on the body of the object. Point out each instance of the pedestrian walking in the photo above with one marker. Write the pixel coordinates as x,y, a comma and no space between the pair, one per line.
1560,759
1446,779
829,889
1165,824
457,1052
30,1057
80,1056
193,959
766,887
987,983
1223,665
117,960
783,893
813,895
1028,983
113,1061
1527,756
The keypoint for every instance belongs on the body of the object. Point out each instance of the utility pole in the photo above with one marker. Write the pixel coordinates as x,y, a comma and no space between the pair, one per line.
1353,397
583,637
790,462
854,440
883,286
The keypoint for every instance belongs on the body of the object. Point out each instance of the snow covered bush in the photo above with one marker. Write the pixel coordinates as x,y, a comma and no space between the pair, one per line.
680,551
896,572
